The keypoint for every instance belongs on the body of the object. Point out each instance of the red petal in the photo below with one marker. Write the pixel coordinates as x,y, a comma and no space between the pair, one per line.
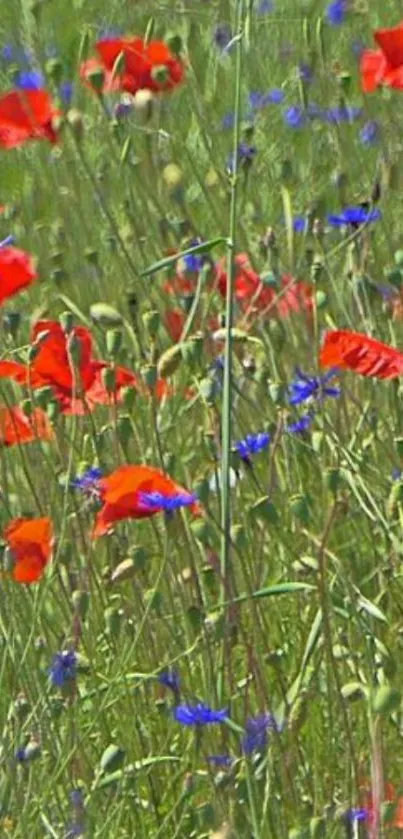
17,428
17,271
353,351
391,43
372,68
24,115
30,541
15,371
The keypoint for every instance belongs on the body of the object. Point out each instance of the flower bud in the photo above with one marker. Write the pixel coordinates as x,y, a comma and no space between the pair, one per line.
142,102
109,379
76,122
299,507
67,322
112,759
169,361
152,322
114,338
54,70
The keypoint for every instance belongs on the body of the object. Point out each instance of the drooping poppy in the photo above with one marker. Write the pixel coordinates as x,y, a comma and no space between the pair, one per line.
65,363
17,271
136,492
383,66
254,296
16,428
366,356
30,542
26,115
150,66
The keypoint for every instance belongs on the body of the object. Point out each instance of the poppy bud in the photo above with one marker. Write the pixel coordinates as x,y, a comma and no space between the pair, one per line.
74,350
11,322
54,69
96,79
353,691
321,299
152,322
124,429
277,392
386,700
28,407
112,758
81,602
109,379
264,508
143,104
43,396
113,621
160,74
53,410
169,361
192,350
114,339
76,122
395,277
149,375
126,570
105,315
299,507
174,42
332,479
67,322
129,395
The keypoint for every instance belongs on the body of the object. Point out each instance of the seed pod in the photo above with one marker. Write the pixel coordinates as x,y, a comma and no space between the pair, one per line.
169,361
112,758
105,315
126,570
386,700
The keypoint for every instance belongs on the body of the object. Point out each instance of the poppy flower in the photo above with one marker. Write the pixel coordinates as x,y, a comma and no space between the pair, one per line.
254,296
150,66
77,392
17,271
383,66
389,797
136,492
30,542
366,356
17,428
26,115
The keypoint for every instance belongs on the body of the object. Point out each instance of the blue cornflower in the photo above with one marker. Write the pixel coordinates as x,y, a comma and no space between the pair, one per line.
353,215
369,134
8,52
224,761
29,80
304,387
199,714
397,474
170,679
305,72
9,240
222,36
302,424
294,116
88,482
259,100
300,224
244,156
66,92
63,668
342,114
169,503
252,444
336,12
256,733
228,120
356,814
193,262
264,7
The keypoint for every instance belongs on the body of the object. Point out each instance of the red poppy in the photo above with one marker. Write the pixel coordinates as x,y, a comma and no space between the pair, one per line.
353,351
254,297
30,542
383,66
122,493
389,796
150,66
174,322
52,365
26,115
18,428
17,271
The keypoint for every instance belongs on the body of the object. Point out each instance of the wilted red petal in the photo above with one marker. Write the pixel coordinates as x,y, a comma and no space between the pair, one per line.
391,43
353,351
30,541
17,271
17,428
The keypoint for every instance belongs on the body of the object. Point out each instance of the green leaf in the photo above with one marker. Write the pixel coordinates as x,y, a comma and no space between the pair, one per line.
205,247
372,610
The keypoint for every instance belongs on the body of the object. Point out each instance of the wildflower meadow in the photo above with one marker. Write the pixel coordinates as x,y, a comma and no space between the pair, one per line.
201,438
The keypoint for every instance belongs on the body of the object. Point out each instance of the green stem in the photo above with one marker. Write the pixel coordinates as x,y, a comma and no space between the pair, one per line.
227,383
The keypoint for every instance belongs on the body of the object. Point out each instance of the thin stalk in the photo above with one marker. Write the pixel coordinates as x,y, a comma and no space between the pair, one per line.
227,382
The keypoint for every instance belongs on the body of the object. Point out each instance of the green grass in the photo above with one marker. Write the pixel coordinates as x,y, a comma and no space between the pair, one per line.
215,599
